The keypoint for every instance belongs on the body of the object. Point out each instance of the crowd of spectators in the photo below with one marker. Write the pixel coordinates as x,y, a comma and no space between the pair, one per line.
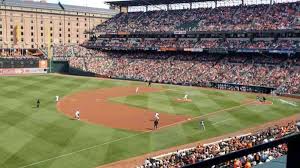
234,44
242,17
190,68
205,152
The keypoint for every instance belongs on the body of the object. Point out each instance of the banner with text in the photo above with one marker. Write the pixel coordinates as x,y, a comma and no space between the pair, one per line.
22,71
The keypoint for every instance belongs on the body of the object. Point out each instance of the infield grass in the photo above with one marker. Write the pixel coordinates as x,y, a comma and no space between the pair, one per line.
44,138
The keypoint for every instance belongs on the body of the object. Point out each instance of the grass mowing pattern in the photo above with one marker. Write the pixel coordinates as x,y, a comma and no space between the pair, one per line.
29,135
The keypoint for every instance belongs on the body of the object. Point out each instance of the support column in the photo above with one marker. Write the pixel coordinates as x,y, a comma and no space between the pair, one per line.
293,153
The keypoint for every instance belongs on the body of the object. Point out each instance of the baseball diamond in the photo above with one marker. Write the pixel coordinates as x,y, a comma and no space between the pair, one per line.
45,137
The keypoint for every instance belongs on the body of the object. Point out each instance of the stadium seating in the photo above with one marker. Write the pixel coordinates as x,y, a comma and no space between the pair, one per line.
207,151
253,17
189,69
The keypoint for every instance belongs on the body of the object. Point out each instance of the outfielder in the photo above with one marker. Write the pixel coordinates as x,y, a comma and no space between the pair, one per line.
77,115
57,98
38,103
202,124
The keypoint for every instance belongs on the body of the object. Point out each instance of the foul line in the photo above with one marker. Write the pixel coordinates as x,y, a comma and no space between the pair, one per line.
131,136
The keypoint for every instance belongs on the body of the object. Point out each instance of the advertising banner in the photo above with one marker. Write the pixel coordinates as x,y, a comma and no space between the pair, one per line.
22,71
179,32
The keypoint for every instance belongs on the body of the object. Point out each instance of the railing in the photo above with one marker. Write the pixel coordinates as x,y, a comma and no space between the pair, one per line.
292,157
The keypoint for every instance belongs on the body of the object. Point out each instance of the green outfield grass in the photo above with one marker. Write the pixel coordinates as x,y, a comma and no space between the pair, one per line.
44,138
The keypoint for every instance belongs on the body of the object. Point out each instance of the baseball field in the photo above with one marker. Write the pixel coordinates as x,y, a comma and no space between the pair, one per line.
115,121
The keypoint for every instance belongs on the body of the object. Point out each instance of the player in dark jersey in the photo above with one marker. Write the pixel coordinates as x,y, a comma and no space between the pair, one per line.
38,103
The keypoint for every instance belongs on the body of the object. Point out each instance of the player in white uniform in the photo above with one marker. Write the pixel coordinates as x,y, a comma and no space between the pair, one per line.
57,98
156,120
185,97
77,115
156,116
137,90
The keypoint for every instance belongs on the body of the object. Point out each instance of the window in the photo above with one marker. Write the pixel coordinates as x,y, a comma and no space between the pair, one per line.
85,25
69,23
11,33
31,33
77,30
69,29
0,39
59,29
0,26
69,41
85,36
42,34
77,35
59,34
42,28
11,39
0,32
69,35
11,27
22,33
77,24
31,20
60,23
42,22
22,39
51,34
51,28
50,22
32,46
32,40
31,27
22,27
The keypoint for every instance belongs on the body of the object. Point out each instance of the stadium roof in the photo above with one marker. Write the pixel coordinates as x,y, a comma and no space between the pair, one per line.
52,6
150,2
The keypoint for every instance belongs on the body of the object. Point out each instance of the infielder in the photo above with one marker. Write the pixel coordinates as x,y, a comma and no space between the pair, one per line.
137,90
77,115
185,97
156,120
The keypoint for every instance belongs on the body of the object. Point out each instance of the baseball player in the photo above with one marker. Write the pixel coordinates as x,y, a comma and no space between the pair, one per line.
137,90
156,120
156,116
57,98
202,124
38,103
185,97
77,115
149,83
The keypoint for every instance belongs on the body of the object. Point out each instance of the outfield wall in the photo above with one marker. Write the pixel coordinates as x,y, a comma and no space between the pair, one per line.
22,71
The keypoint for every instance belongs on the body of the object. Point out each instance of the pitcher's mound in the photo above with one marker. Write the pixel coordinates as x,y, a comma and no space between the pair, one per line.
183,100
